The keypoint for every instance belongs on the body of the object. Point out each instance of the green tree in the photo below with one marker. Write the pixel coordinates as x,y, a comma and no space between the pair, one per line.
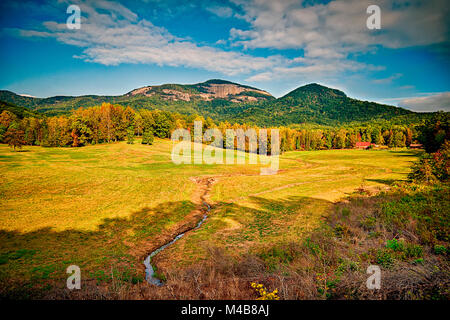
147,137
399,139
377,137
328,140
434,132
2,132
340,139
130,135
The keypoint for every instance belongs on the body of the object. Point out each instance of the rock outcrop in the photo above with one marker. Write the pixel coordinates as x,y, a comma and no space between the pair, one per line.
207,91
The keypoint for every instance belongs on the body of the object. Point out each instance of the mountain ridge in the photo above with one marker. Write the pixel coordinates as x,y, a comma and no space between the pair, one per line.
224,100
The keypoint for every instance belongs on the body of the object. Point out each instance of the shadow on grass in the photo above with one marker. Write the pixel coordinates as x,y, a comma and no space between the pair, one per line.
388,182
32,259
32,263
406,153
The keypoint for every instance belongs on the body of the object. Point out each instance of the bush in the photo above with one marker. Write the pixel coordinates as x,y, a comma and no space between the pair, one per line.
422,171
147,137
439,249
345,212
432,167
395,245
385,258
413,251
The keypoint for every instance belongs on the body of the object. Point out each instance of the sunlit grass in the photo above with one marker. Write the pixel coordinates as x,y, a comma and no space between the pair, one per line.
93,206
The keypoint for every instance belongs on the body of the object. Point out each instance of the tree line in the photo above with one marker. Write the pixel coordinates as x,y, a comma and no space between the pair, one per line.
111,123
434,164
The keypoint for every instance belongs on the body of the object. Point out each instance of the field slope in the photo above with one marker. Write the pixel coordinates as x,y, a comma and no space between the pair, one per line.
105,207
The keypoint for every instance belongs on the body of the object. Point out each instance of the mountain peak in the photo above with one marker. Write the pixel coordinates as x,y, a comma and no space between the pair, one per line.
218,81
315,89
206,91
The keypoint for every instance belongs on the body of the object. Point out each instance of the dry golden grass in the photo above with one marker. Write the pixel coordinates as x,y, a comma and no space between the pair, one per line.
101,206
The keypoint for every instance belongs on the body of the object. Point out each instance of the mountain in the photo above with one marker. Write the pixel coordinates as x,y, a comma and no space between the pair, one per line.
20,112
206,91
314,103
187,99
224,100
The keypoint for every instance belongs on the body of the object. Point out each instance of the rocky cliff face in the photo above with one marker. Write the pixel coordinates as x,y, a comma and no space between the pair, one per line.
207,91
224,90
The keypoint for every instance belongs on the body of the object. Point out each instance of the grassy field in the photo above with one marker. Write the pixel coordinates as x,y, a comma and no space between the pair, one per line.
105,207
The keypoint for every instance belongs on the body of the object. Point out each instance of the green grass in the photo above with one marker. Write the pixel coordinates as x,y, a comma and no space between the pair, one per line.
96,206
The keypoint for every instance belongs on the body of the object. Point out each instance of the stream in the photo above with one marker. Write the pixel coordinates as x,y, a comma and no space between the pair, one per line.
149,270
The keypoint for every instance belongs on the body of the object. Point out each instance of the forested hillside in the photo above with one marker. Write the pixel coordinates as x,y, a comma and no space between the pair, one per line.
227,101
20,112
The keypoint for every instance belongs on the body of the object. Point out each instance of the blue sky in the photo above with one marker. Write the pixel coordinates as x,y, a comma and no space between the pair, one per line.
273,45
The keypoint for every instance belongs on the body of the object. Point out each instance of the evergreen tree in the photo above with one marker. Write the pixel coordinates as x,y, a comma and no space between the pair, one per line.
130,135
399,139
147,137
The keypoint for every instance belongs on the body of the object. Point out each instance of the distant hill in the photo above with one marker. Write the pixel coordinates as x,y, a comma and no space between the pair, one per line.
186,99
225,100
20,112
314,103
205,91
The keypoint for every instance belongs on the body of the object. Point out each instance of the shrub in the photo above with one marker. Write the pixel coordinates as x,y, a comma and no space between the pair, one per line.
147,137
345,212
385,258
277,255
422,171
439,249
424,212
341,230
264,294
395,245
369,223
432,167
413,251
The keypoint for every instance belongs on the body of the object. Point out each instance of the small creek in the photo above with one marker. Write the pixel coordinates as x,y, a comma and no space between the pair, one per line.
149,270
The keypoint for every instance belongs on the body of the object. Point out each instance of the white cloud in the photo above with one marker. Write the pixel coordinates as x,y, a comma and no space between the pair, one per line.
340,25
388,79
111,34
434,102
223,12
331,34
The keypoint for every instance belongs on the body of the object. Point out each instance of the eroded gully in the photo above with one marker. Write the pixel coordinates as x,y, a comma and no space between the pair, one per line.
205,184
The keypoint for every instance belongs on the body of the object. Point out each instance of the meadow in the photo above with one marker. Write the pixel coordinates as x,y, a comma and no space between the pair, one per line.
105,207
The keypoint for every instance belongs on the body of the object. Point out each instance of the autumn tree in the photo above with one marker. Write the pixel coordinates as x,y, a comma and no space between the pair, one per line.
6,118
139,124
14,138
